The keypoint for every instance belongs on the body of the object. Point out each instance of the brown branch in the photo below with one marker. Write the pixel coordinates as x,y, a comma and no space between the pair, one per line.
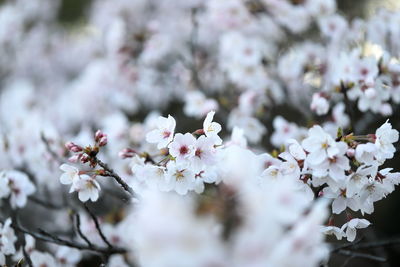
25,253
78,229
48,148
47,237
96,222
110,172
45,204
355,254
375,244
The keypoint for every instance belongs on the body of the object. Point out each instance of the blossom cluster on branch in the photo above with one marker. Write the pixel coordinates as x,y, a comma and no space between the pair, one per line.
231,132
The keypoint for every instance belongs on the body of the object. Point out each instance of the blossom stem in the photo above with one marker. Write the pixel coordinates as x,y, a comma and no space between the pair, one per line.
110,172
96,222
78,229
47,237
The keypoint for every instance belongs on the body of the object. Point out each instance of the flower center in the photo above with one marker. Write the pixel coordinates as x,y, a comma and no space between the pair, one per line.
166,134
183,150
198,152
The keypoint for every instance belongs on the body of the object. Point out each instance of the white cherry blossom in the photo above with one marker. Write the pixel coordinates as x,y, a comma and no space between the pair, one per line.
164,133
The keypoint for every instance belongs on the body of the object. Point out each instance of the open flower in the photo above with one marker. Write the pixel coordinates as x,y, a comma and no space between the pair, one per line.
320,145
87,188
7,240
182,148
211,128
164,133
385,137
179,178
351,227
70,174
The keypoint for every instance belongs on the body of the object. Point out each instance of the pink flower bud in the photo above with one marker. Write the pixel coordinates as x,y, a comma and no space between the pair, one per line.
126,153
75,158
103,141
73,147
84,158
98,135
350,152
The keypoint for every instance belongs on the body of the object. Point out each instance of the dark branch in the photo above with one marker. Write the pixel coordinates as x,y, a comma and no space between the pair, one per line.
110,172
25,253
45,203
47,237
78,229
48,148
375,244
355,254
96,222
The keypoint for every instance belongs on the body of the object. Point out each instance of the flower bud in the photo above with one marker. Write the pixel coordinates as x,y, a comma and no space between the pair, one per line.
73,147
98,135
75,158
126,153
84,158
350,152
103,140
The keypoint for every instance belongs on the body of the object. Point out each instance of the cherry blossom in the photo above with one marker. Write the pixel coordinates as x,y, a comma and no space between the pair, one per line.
164,133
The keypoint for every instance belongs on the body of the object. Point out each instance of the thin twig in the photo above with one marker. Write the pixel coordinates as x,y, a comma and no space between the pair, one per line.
347,261
47,237
78,229
45,203
375,244
355,254
347,245
25,253
48,148
110,172
96,222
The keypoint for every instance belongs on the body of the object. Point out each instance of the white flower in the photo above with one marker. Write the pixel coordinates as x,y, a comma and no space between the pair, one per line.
211,129
197,105
117,261
70,175
153,176
339,115
341,201
42,259
179,178
164,133
182,148
359,179
204,152
296,150
385,137
284,130
320,145
67,256
4,188
87,188
20,188
333,230
351,227
7,240
365,153
335,166
319,104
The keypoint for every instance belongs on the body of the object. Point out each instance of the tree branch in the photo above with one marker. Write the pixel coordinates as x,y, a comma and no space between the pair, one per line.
47,237
78,229
355,254
110,172
96,222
